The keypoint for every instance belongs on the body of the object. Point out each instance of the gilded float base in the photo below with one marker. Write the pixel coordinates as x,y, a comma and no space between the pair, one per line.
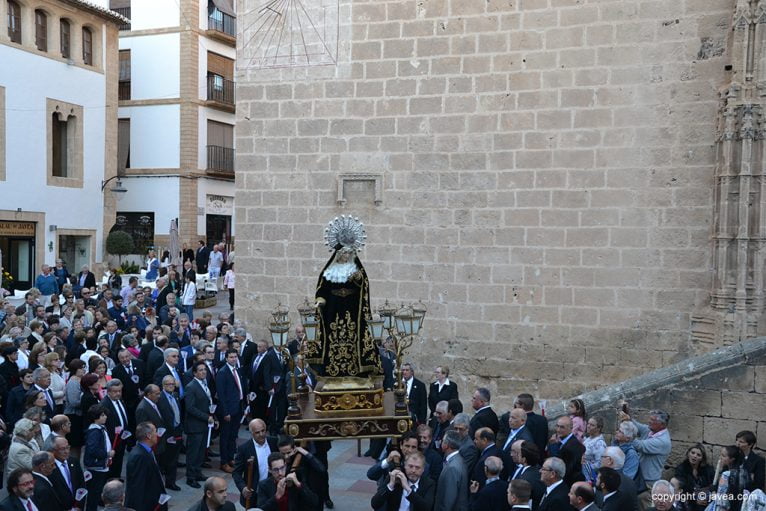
347,397
355,424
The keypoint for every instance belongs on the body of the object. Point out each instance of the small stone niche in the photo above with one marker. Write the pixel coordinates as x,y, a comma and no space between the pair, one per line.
360,189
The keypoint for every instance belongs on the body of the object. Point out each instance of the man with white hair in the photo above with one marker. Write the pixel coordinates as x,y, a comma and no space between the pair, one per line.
170,367
556,496
663,496
623,437
652,444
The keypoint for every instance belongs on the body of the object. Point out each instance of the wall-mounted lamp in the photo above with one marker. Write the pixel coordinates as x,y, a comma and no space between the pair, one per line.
117,188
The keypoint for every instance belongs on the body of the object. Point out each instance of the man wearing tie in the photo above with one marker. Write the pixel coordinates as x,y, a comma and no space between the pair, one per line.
144,483
42,467
170,367
230,396
21,489
67,477
198,418
116,423
42,379
407,490
259,371
517,421
170,410
130,371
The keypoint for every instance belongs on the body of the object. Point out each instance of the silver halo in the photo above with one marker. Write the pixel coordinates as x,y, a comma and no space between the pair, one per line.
345,230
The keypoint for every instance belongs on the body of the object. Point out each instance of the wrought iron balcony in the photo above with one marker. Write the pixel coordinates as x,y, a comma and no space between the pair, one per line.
124,90
125,11
220,160
220,92
222,25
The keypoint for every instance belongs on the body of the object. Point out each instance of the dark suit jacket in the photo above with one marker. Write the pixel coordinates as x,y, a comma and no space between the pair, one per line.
144,483
538,426
45,497
244,452
571,454
418,401
228,393
154,360
201,258
167,416
197,408
112,420
298,499
557,500
626,498
532,476
505,454
12,503
493,497
756,466
201,506
59,483
434,396
163,371
477,474
421,500
613,503
90,279
130,389
486,418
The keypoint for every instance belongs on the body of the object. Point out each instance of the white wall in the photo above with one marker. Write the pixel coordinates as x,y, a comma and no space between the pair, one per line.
205,187
155,136
152,193
155,65
147,14
26,118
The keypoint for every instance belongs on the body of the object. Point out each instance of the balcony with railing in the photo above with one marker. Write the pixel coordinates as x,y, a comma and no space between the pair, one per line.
222,26
220,93
124,11
220,161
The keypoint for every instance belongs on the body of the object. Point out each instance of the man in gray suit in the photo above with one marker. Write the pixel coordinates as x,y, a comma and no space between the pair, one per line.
452,488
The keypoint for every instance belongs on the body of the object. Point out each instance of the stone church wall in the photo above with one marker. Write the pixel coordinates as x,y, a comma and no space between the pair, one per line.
538,172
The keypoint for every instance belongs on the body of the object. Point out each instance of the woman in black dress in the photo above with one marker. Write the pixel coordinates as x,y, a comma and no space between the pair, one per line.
696,477
442,389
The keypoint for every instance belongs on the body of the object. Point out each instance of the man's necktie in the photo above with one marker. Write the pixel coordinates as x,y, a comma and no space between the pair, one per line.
49,398
29,505
178,382
67,476
236,380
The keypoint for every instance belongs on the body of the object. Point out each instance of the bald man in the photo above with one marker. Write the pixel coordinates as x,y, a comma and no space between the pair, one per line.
517,424
258,447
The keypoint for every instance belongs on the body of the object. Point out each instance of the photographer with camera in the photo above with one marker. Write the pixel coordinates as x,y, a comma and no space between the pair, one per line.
407,488
282,490
408,443
304,464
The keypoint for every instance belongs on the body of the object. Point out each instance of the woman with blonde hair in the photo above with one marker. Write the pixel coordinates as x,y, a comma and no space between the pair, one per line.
22,447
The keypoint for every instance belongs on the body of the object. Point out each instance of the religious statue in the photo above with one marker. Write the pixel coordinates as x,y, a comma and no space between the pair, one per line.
344,346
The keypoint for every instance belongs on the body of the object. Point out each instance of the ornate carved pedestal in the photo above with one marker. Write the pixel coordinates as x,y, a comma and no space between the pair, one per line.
344,424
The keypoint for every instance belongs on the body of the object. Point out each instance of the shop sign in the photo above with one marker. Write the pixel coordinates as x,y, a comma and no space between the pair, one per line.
219,205
17,228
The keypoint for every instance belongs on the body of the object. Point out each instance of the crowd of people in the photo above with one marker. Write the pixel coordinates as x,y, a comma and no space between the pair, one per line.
104,390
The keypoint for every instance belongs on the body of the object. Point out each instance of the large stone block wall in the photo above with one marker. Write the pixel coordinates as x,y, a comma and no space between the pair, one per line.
547,170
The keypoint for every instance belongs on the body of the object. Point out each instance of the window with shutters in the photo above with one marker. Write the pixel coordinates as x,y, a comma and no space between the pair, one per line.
124,87
14,21
220,80
41,30
65,144
87,46
66,38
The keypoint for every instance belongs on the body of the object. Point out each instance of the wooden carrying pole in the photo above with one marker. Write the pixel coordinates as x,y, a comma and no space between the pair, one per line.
249,486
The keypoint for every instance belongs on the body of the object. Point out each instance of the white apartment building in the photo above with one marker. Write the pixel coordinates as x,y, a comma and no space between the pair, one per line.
58,133
176,119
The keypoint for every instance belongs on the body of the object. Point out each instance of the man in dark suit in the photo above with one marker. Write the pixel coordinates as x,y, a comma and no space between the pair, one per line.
156,356
568,448
170,410
452,487
67,477
417,398
274,488
581,497
492,496
231,394
21,489
517,421
202,256
116,423
169,368
527,457
259,380
556,496
753,463
42,379
537,424
247,349
608,482
484,440
519,492
433,457
46,498
84,279
198,400
214,499
144,483
148,411
411,484
259,449
614,457
130,371
485,416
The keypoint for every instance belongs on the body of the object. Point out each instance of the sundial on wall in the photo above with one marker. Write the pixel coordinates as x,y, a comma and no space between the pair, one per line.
289,33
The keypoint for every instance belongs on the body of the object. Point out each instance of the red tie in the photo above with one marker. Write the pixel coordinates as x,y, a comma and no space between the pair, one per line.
236,379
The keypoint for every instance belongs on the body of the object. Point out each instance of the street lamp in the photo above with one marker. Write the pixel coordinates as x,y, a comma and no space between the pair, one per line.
279,326
117,188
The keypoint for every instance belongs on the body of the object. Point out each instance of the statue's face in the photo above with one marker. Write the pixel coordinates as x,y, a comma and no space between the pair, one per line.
345,256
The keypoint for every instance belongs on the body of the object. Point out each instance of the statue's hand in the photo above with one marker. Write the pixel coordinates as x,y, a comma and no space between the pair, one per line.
320,302
357,276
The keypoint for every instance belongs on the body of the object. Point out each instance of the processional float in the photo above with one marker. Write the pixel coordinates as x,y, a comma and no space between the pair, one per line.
343,339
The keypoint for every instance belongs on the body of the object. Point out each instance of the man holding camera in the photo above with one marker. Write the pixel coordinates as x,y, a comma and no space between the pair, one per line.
282,490
408,489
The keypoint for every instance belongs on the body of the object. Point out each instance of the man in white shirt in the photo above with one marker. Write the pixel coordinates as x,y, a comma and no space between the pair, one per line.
259,448
413,491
